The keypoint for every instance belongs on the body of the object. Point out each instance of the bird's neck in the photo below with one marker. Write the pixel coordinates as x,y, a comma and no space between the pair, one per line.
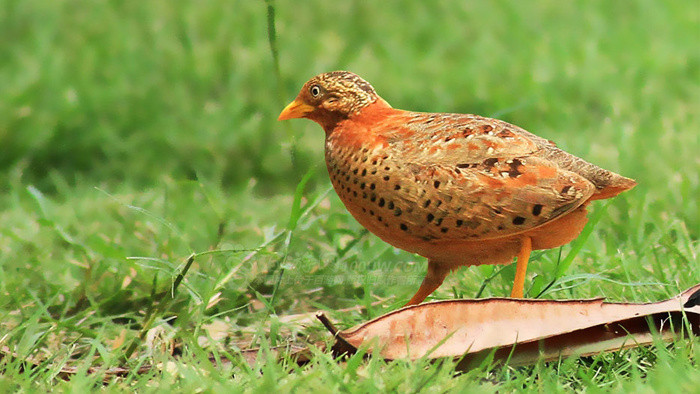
367,116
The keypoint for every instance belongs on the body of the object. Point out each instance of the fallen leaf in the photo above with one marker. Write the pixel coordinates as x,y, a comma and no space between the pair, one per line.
127,279
541,328
117,342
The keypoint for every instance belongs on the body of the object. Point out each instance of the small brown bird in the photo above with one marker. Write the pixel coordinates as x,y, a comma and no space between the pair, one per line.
457,189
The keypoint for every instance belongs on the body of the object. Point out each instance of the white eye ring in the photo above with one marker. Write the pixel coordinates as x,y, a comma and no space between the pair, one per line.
315,90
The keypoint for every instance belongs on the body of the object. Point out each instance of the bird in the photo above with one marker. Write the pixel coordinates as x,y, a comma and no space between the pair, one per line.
457,189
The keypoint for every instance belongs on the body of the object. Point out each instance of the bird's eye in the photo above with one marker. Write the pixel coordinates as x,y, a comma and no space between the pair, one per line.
315,91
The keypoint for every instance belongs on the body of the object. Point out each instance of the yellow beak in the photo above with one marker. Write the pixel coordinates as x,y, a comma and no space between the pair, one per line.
295,109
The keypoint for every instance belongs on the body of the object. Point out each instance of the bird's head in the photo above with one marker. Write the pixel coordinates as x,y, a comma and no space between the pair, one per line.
330,98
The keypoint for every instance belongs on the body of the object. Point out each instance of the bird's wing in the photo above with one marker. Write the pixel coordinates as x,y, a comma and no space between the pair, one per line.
483,183
455,138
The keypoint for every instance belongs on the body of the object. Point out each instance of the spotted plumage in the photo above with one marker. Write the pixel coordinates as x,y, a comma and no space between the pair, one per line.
457,189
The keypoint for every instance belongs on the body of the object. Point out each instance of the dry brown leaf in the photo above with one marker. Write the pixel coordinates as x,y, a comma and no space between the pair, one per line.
472,330
540,328
117,342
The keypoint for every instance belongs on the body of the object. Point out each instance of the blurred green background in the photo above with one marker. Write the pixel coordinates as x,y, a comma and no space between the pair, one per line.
108,91
135,133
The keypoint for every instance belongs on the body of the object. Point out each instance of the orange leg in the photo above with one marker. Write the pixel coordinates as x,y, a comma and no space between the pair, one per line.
521,268
433,279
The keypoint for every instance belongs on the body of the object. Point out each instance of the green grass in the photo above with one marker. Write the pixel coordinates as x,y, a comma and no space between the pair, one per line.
133,134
